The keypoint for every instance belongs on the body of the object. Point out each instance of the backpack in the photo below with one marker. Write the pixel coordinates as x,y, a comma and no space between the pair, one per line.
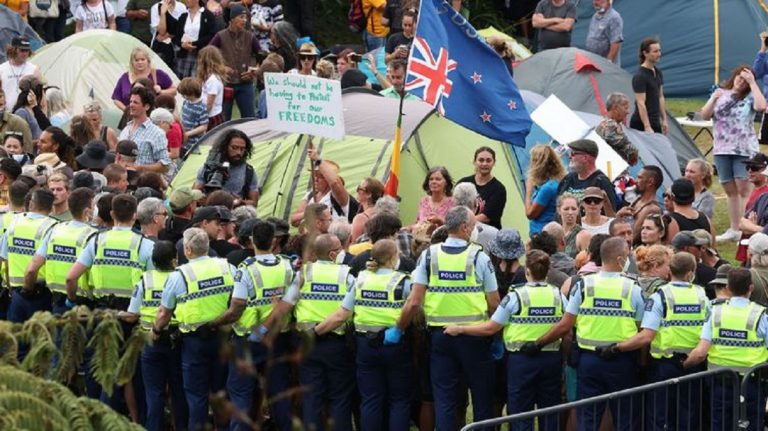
356,16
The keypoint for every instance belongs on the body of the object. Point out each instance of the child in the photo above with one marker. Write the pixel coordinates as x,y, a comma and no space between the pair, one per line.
210,71
267,66
14,146
194,113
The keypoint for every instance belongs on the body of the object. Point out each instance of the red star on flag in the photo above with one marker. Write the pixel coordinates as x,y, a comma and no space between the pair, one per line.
476,78
512,105
486,117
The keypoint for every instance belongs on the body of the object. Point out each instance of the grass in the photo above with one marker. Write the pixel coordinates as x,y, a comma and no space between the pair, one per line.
679,107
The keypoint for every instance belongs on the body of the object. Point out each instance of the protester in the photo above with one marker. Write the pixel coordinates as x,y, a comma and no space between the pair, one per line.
554,19
611,128
139,14
94,14
328,190
584,173
58,109
688,242
150,139
545,170
306,60
95,129
648,84
399,43
283,38
368,192
11,124
164,23
654,230
375,32
194,112
194,31
684,217
605,34
438,185
649,180
396,81
492,193
699,171
140,66
592,202
653,266
17,67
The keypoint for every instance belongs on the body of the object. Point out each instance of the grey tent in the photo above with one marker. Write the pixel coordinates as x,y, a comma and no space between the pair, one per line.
583,80
12,25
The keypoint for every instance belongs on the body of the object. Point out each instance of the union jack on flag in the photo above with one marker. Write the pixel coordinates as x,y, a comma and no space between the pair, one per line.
454,70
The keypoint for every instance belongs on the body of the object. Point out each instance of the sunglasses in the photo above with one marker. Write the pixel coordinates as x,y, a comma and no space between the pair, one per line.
660,219
755,168
593,201
306,57
361,189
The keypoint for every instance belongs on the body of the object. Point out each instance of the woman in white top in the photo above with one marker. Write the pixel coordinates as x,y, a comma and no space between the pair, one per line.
210,70
307,60
94,15
15,68
195,30
593,221
58,111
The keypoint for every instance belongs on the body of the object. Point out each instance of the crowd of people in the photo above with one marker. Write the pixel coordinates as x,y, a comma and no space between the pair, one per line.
403,316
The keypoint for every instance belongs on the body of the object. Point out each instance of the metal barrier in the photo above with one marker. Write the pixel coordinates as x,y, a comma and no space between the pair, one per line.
753,399
691,400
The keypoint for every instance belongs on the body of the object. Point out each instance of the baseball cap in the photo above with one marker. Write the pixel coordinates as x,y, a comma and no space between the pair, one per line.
682,191
758,244
585,145
183,196
246,229
592,192
211,213
686,239
759,159
127,148
21,42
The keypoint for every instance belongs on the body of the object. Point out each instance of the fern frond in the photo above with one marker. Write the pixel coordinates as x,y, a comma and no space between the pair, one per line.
72,348
38,360
133,347
105,342
9,348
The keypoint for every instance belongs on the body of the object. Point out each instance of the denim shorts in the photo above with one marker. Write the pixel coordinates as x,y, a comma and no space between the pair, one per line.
730,167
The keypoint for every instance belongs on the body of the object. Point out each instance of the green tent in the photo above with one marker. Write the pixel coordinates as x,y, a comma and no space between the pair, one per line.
429,140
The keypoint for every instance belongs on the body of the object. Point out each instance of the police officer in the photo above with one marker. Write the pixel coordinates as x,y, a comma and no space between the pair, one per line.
197,294
525,314
18,246
117,258
328,370
384,363
606,308
671,325
59,250
260,280
16,200
456,284
160,360
735,336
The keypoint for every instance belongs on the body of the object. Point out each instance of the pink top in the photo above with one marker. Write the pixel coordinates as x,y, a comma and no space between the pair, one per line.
426,210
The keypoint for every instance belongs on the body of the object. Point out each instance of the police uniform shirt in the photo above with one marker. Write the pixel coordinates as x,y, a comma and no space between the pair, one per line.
348,303
738,302
654,308
292,294
576,297
244,283
510,305
138,294
88,254
4,238
176,286
483,267
42,251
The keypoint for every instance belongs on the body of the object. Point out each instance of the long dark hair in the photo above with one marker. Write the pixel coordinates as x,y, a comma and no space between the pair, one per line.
221,146
66,151
645,45
728,83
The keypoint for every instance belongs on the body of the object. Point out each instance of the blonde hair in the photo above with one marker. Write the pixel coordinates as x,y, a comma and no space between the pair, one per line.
210,62
544,164
137,50
325,69
706,171
650,257
383,252
59,177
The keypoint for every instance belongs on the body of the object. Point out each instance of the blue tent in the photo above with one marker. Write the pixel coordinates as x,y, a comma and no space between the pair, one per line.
701,41
11,25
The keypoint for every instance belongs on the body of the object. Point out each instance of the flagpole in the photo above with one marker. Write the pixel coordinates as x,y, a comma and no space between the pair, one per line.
393,181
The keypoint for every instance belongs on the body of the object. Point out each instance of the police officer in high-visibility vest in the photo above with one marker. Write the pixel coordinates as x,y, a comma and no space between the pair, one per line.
606,308
525,314
116,258
671,326
197,294
60,249
384,364
16,201
18,246
260,281
735,337
456,284
161,359
329,370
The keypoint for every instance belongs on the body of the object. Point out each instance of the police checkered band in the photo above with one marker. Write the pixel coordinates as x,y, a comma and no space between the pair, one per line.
260,302
21,250
670,323
378,304
204,293
535,320
321,297
736,343
151,303
455,289
61,258
600,312
117,262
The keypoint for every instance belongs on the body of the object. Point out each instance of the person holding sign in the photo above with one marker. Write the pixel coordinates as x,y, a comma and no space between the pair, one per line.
328,189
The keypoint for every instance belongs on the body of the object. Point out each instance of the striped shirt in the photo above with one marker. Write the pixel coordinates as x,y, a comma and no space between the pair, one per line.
151,141
193,114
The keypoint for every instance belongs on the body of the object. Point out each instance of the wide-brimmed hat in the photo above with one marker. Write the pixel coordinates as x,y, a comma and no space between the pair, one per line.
592,192
86,179
507,245
95,156
183,196
308,49
758,244
721,277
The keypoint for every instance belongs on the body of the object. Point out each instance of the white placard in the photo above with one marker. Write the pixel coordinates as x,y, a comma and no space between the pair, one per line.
564,126
304,104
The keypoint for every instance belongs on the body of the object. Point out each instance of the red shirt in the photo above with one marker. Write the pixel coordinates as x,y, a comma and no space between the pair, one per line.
174,136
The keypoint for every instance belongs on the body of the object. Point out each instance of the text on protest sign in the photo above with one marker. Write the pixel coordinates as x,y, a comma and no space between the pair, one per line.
304,104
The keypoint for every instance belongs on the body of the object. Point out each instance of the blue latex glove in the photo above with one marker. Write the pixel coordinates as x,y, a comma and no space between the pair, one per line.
392,335
69,304
258,335
497,349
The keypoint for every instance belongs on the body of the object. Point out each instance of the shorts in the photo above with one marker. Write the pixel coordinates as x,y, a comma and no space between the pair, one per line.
731,167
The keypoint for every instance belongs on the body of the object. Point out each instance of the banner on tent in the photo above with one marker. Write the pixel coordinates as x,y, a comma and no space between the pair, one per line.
564,126
304,104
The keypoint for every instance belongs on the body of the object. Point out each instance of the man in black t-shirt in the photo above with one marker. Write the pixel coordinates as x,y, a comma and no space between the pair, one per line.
399,44
648,84
492,193
585,174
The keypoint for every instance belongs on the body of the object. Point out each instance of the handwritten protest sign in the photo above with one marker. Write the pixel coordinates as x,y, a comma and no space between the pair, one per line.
304,104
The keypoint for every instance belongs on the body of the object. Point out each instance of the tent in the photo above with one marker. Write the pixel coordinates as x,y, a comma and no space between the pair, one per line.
428,140
87,65
12,25
521,52
701,41
583,80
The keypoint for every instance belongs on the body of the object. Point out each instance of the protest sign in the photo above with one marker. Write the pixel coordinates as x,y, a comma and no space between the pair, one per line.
304,104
